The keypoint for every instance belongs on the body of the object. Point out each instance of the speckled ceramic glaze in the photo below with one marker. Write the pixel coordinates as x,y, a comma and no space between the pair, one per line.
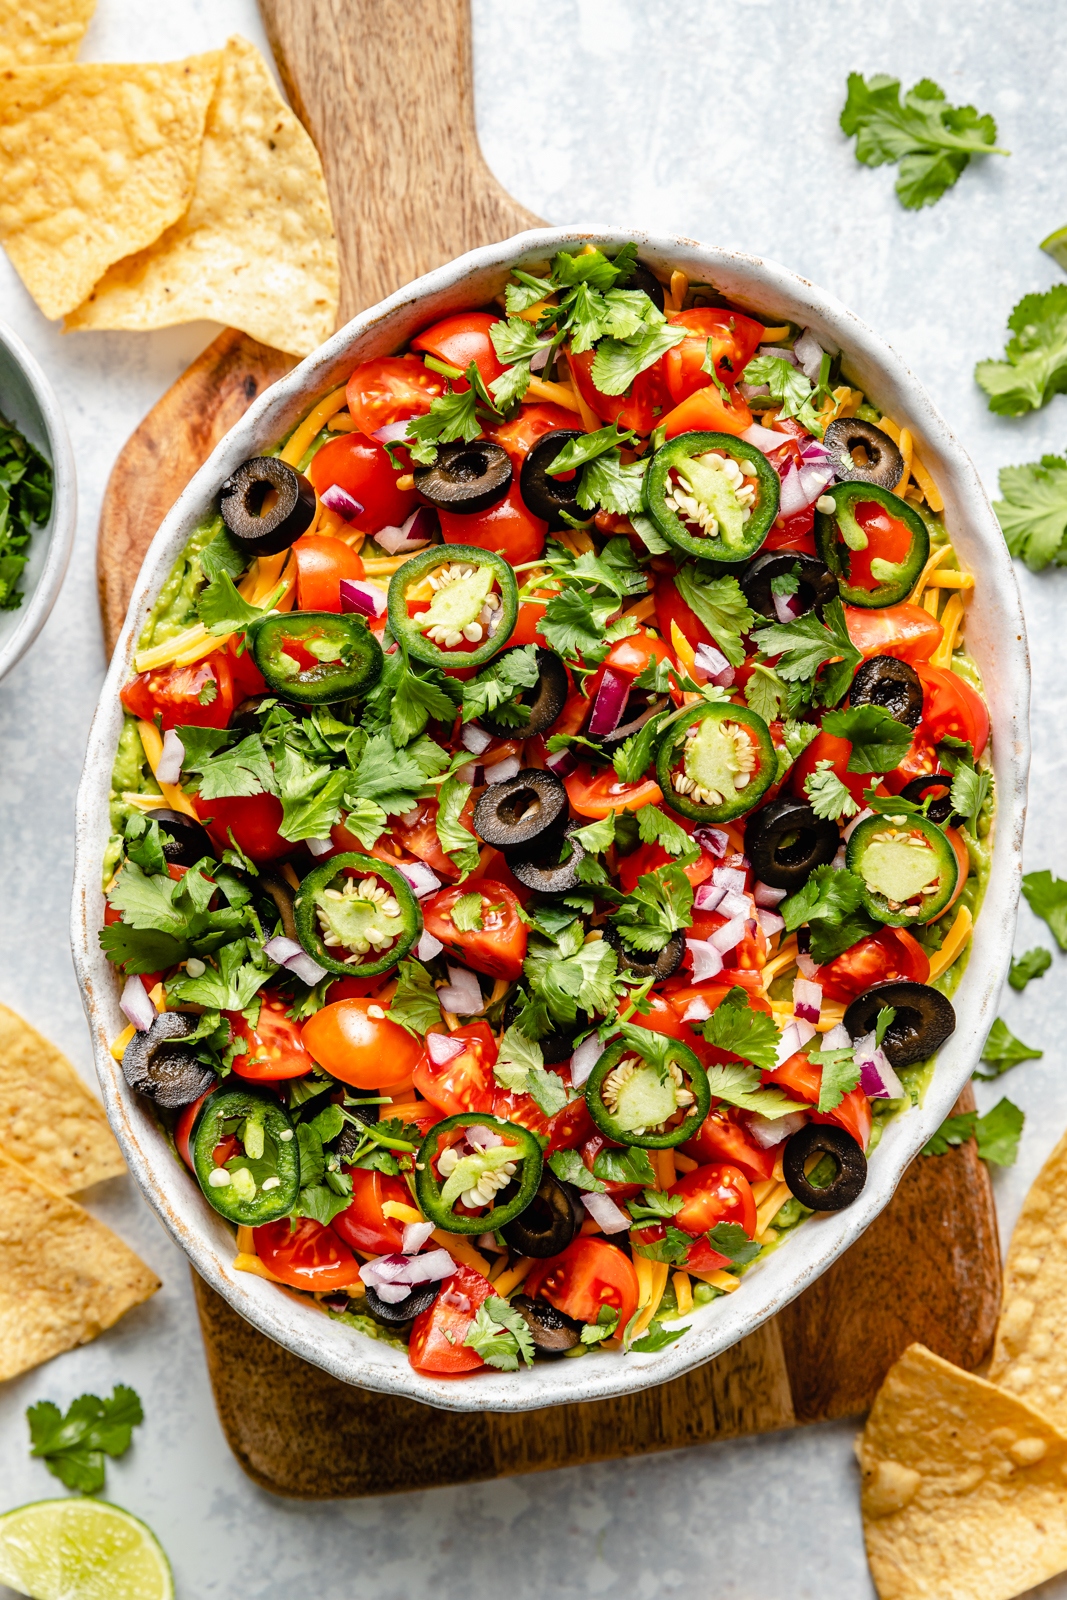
28,402
995,636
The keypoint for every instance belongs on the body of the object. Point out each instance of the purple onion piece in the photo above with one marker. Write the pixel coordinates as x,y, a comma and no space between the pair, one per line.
136,1006
364,599
337,499
610,703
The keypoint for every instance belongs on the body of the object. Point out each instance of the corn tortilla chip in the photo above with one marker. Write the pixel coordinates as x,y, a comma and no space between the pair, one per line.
50,1123
964,1486
64,1277
1030,1353
42,33
95,161
256,247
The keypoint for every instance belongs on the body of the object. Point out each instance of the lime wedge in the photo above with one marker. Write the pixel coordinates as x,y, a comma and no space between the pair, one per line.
1056,247
88,1549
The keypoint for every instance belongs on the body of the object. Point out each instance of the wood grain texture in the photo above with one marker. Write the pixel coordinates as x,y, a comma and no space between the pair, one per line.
164,452
387,95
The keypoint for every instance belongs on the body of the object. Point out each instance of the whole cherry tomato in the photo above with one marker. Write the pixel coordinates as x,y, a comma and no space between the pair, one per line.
589,1275
275,1047
498,947
306,1255
461,339
465,1082
359,1047
321,563
198,696
508,527
438,1335
389,389
363,469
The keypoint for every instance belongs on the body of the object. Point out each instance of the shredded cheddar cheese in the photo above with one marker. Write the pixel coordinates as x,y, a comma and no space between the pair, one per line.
683,1292
955,939
951,619
509,1281
152,743
400,1212
312,425
933,561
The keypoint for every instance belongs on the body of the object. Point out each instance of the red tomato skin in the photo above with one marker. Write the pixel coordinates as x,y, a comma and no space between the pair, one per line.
799,1078
522,1109
364,1051
963,861
321,563
461,339
905,631
466,1082
253,820
183,1130
508,527
633,411
590,1148
705,411
362,468
570,1127
853,1113
793,533
828,747
717,1193
720,1138
419,837
174,693
307,1255
389,389
597,795
275,1047
247,678
499,950
527,629
734,341
363,1224
889,954
670,607
661,1017
587,1276
429,1349
952,707
521,434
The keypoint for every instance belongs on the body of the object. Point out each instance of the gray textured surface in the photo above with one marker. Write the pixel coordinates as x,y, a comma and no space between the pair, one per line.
717,120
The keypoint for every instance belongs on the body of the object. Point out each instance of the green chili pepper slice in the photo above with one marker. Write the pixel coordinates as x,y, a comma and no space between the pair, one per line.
716,763
865,518
908,867
450,1171
259,1179
469,600
648,1090
316,657
712,495
356,916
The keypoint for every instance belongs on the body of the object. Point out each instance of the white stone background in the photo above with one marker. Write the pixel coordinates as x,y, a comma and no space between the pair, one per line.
717,119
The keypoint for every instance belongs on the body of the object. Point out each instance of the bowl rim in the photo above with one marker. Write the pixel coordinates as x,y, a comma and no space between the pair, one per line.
297,1324
59,529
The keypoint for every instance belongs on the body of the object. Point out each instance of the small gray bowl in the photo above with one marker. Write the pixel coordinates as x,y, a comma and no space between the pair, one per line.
28,402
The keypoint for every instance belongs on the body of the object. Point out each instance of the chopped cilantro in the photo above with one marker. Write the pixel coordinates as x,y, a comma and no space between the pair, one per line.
807,645
879,742
829,797
661,903
500,1335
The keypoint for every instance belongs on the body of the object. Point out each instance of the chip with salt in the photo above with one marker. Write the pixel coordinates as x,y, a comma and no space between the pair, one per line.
1030,1353
964,1486
50,1123
256,247
96,161
64,1277
42,33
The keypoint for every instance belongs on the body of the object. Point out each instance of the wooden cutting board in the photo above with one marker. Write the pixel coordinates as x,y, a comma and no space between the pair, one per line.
387,95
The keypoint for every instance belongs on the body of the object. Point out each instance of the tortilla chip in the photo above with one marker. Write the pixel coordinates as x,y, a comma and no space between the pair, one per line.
95,161
42,33
64,1277
964,1487
50,1123
256,247
1030,1353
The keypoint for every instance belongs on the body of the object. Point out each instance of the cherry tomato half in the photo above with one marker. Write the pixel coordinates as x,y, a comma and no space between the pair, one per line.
438,1334
461,339
721,1138
390,389
363,1224
252,819
198,696
598,794
793,533
801,1079
369,1052
670,607
828,747
719,1193
521,434
508,527
888,955
635,410
734,341
498,948
321,563
905,631
952,707
275,1048
304,1254
465,1082
587,1276
363,469
707,412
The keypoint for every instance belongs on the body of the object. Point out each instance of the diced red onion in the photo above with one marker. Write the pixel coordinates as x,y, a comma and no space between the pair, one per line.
474,739
337,499
428,946
136,1005
838,1038
487,1241
767,897
713,840
815,450
707,958
808,353
729,936
423,879
471,772
765,439
585,1059
295,959
480,1137
861,816
392,431
770,921
455,1297
415,1236
708,897
501,771
538,359
388,1271
806,965
734,904
320,847
802,486
169,769
769,1131
739,863
610,703
807,999
361,599
780,351
784,609
392,1293
794,1038
877,1078
442,1047
728,878
418,530
562,763
840,861
698,1009
602,1209
714,665
461,994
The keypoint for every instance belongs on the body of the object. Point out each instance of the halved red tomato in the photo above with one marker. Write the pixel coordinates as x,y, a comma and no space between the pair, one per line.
198,696
465,1082
952,708
888,955
521,434
707,412
252,820
498,947
637,410
390,389
828,747
670,607
321,563
275,1047
509,527
363,1224
416,832
587,1276
363,469
722,1138
461,339
799,1077
183,1129
734,341
905,631
599,794
359,1046
888,540
438,1335
719,1193
649,856
793,533
306,1255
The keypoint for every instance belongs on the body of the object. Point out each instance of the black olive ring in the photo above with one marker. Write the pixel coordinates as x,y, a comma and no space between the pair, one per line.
513,814
392,1314
786,841
824,1138
885,464
544,495
651,964
546,697
539,868
466,478
159,1066
263,525
924,1020
549,1222
816,584
893,685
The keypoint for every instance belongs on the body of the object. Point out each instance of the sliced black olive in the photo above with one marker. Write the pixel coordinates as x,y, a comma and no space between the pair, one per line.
658,964
554,1333
351,1136
283,896
549,1222
544,495
940,808
158,1065
824,1138
513,814
267,505
785,841
543,701
645,279
634,718
924,1019
816,584
184,840
391,1315
540,867
894,685
862,453
466,478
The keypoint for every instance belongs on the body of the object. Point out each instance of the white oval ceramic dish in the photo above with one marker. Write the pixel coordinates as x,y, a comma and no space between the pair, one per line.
995,635
28,402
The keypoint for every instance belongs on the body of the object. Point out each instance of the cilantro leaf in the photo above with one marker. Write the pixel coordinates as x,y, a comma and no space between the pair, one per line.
953,1132
613,484
788,385
658,1337
223,610
150,902
141,950
840,1073
1035,364
568,977
618,362
73,1446
391,777
661,903
228,987
500,1335
740,1086
764,691
243,770
569,1167
1028,966
466,913
998,1132
632,758
721,606
451,416
731,1240
879,742
1047,898
457,841
1003,1050
515,340
632,1165
367,821
415,1005
655,827
496,689
829,797
607,1320
1033,512
932,141
578,452
527,292
310,795
655,1205
673,1248
574,622
806,644
826,896
404,698
746,1032
969,791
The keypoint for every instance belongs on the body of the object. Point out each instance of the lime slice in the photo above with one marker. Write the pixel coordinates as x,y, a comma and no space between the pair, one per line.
1056,246
81,1550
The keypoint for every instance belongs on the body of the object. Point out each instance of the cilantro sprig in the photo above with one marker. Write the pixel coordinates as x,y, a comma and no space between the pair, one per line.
73,1445
932,141
1035,358
1033,511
